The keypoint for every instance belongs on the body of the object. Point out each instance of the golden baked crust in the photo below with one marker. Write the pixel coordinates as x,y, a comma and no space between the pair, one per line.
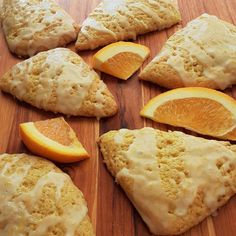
174,180
59,80
113,21
39,199
203,54
36,25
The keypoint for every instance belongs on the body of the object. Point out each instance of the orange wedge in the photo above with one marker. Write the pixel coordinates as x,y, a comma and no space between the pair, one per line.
205,111
53,139
121,59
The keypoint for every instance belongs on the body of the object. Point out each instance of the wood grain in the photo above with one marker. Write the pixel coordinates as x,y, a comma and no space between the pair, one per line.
111,212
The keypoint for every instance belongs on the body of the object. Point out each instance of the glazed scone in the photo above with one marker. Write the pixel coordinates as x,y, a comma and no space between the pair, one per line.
118,20
59,80
36,25
38,199
174,180
203,54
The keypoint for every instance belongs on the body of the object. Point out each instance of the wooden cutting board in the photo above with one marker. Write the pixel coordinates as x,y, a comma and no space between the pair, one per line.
111,212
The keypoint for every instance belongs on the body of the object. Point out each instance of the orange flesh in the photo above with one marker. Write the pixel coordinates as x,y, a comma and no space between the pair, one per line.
199,114
122,65
55,129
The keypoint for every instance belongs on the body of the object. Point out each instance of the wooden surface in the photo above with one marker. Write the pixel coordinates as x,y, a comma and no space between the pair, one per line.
111,212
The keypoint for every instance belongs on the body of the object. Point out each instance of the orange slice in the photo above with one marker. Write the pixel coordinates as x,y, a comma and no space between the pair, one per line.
121,59
205,111
53,139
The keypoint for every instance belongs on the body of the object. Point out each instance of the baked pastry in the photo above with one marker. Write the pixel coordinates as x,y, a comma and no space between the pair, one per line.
34,26
113,21
174,180
39,199
202,54
59,80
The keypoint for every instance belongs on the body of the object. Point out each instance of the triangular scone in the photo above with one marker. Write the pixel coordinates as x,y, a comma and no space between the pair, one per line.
174,180
117,20
36,198
34,26
202,54
59,80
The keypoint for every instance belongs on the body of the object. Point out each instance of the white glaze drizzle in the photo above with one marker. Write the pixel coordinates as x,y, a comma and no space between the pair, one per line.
72,82
217,51
15,208
26,15
199,158
114,9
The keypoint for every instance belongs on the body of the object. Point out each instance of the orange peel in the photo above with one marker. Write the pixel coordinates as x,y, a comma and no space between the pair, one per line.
53,139
120,59
205,111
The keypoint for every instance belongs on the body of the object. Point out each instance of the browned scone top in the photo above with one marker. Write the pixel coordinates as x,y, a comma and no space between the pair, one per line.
202,54
34,26
37,198
174,180
118,20
59,80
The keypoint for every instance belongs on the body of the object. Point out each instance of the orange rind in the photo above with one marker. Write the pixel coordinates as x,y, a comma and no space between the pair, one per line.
121,59
53,139
205,111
